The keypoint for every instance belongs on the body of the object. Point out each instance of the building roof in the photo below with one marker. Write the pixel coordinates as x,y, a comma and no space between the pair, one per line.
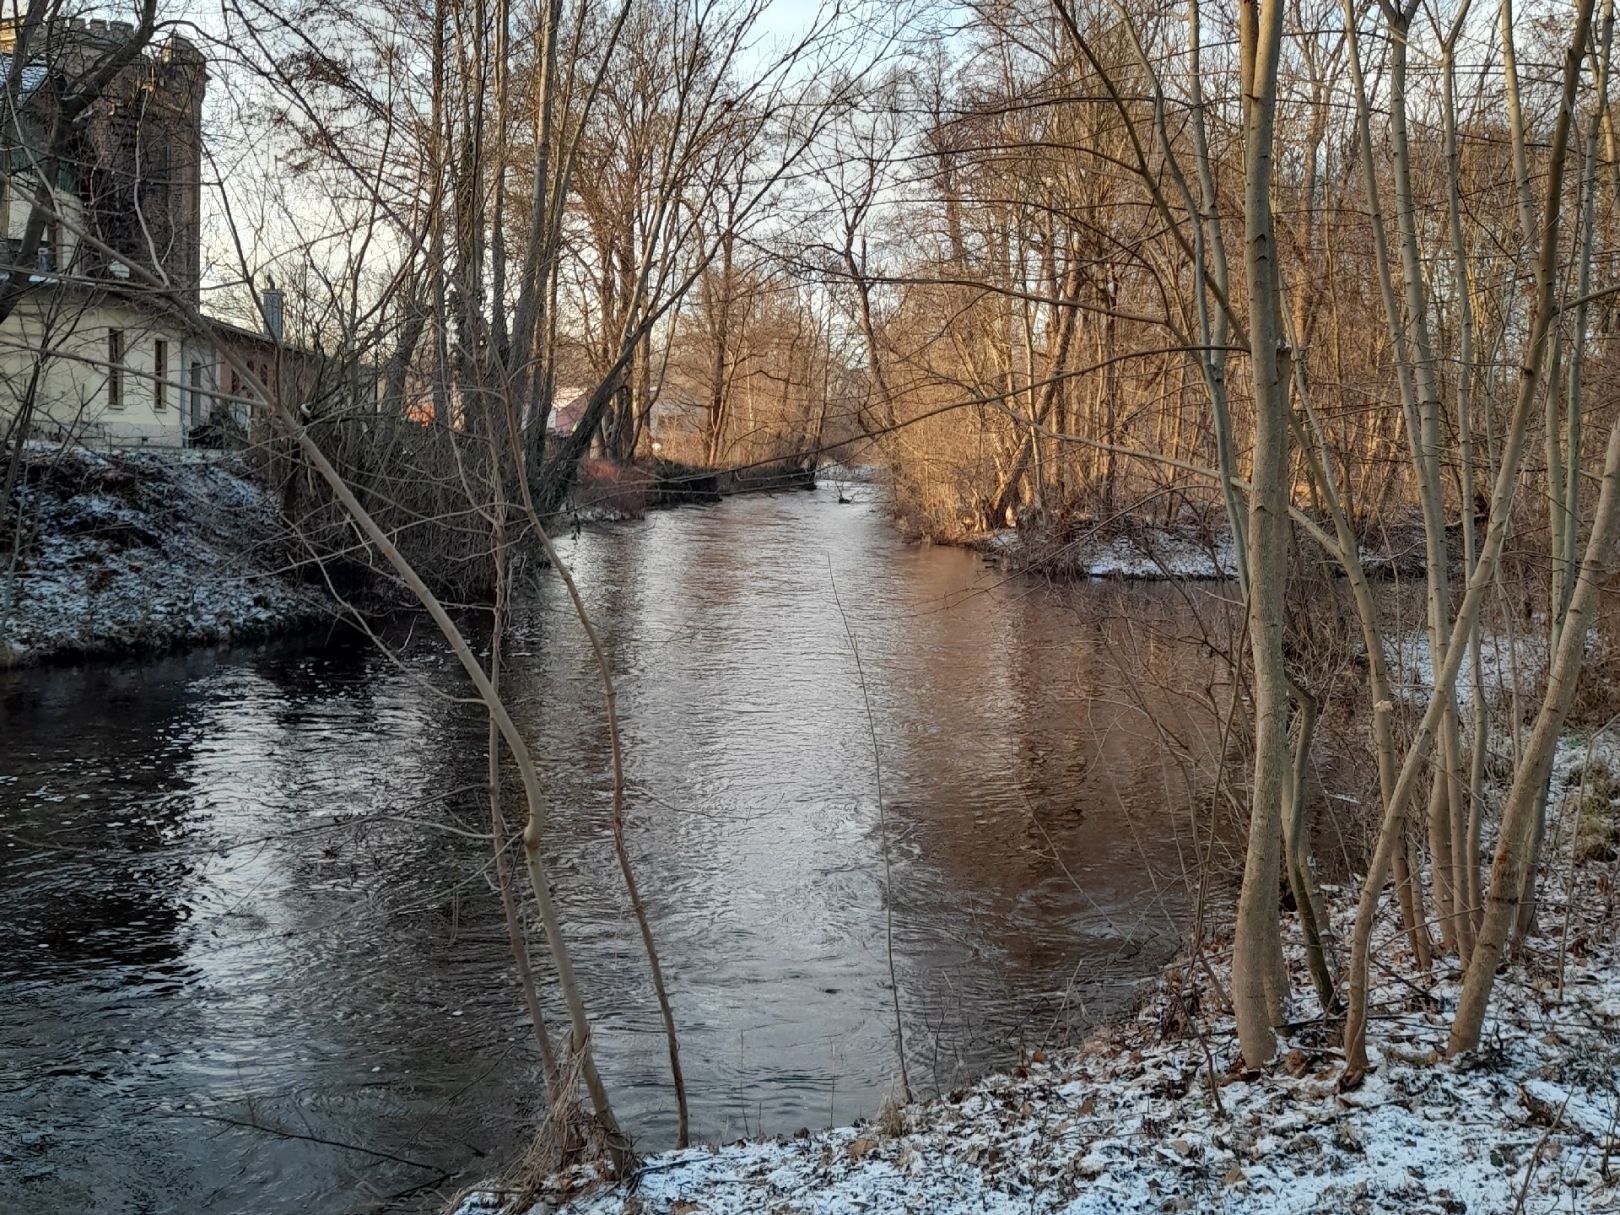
232,329
242,333
567,408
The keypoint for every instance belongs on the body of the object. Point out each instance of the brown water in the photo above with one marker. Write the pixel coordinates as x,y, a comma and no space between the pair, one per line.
233,922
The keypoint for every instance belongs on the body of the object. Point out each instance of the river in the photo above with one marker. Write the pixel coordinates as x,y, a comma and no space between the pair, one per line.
250,959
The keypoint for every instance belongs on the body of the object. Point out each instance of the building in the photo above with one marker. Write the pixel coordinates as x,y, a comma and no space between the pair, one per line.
674,415
95,366
90,349
568,404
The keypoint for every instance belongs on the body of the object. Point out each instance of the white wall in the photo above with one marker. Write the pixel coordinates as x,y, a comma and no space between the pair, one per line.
54,349
19,201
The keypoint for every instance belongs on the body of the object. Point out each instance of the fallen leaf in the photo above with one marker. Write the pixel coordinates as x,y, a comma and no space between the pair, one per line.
859,1149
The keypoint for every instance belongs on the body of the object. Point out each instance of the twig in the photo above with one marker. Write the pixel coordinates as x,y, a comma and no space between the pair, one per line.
497,826
337,1143
883,836
1608,1142
1535,1157
621,852
1574,848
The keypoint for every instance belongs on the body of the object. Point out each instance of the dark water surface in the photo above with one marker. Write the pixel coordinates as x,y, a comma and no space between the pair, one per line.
234,922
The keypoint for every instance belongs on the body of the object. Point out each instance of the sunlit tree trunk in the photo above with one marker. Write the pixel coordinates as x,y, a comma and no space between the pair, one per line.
1258,973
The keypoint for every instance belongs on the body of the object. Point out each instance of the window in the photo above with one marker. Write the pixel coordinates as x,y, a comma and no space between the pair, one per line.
115,369
198,406
160,374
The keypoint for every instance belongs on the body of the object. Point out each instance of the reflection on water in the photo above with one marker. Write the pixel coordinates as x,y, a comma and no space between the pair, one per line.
245,966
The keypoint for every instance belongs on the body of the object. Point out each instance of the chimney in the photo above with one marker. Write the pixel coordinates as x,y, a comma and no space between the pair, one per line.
270,304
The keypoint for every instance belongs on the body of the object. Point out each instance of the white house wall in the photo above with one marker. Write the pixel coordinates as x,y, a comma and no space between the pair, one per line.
54,347
19,205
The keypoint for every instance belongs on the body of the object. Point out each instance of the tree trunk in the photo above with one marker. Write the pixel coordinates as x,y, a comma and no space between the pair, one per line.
1258,976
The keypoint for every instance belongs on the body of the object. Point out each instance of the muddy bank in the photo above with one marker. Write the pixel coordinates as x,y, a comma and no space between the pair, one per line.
111,554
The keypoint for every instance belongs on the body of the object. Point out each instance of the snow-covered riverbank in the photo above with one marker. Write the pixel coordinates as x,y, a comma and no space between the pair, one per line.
1144,551
143,550
1141,552
1155,1114
1132,1123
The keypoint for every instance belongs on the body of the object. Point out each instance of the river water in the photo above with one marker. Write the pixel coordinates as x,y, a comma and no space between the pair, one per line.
250,959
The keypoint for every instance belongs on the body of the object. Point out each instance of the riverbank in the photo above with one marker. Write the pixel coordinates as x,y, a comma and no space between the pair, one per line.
605,492
1140,552
143,551
1155,1113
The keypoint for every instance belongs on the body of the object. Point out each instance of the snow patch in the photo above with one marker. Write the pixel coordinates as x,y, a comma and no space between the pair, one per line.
141,550
1505,665
1140,553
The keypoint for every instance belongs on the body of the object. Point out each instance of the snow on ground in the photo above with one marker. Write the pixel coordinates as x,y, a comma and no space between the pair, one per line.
1587,756
1155,1114
141,550
1158,555
850,474
1144,553
1505,664
599,513
1128,1124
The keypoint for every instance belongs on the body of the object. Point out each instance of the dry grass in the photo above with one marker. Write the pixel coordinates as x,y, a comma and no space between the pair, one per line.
568,1137
1597,828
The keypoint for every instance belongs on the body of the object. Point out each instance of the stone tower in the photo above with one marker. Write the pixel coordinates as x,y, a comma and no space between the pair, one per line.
135,159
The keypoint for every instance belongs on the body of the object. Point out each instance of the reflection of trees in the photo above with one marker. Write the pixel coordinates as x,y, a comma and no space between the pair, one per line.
93,863
1049,762
315,668
1011,731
